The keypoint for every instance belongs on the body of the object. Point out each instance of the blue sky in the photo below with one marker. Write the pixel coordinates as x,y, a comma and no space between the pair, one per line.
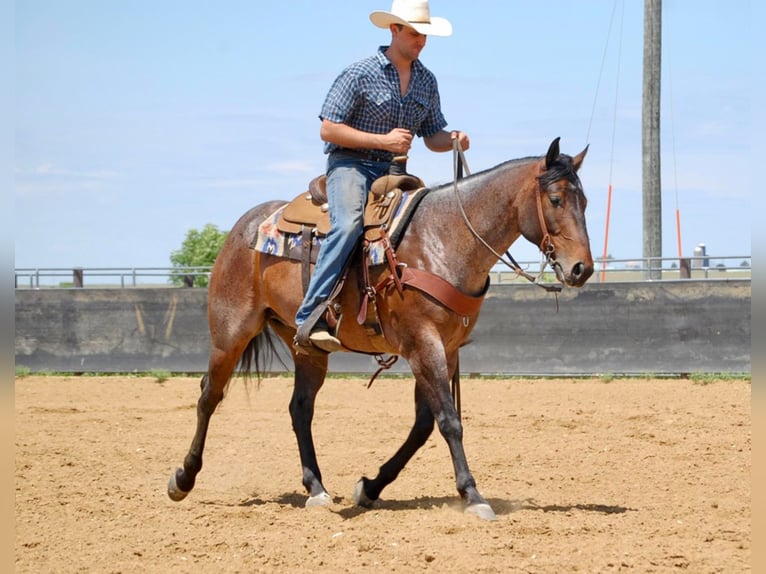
138,121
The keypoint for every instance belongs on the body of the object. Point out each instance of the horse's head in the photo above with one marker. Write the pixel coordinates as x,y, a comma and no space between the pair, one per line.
558,226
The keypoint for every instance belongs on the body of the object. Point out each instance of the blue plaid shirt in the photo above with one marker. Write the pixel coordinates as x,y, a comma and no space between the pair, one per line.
366,96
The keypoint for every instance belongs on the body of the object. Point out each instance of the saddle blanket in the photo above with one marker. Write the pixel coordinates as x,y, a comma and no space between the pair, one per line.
271,240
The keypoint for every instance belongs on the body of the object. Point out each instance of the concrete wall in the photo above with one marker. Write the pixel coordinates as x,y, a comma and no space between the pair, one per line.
604,328
112,330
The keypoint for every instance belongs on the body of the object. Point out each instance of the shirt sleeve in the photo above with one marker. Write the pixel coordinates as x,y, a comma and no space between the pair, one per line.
341,98
434,120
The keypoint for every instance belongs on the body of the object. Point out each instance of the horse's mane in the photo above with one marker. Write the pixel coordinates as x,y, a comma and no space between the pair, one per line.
562,168
479,174
510,163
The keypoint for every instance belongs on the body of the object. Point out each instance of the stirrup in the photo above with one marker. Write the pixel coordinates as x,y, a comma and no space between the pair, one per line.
325,340
314,334
304,330
307,348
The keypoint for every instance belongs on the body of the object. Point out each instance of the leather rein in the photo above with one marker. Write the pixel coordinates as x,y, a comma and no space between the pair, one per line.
546,246
441,290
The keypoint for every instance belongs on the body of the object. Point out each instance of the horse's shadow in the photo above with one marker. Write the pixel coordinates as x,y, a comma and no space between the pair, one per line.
530,504
499,505
294,499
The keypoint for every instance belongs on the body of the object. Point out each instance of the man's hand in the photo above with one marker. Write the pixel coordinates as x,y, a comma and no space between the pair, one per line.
461,137
444,141
398,141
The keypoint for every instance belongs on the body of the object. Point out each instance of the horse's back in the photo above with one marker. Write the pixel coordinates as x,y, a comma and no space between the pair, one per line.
235,257
246,227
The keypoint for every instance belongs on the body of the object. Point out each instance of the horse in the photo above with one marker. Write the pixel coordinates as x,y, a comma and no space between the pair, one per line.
455,234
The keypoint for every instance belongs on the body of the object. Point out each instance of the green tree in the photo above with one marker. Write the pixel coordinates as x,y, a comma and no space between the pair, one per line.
199,249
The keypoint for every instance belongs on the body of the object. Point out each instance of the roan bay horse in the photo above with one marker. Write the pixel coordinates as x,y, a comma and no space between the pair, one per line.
456,233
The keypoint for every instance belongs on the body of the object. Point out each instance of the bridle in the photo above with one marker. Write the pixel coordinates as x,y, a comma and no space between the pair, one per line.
546,245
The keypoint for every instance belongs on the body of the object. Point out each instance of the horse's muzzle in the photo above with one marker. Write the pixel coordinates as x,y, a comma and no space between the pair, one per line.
578,274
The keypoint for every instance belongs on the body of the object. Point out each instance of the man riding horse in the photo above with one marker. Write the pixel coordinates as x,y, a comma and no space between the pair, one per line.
423,305
372,112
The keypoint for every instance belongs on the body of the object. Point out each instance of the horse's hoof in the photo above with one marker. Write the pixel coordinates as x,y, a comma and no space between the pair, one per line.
482,510
175,493
360,496
321,499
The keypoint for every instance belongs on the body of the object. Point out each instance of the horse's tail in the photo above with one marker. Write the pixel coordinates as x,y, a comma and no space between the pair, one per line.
259,355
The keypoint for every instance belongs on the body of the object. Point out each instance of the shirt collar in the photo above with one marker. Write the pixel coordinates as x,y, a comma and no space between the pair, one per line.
381,56
384,61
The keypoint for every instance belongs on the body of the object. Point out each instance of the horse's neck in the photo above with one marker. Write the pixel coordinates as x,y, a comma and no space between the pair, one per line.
489,201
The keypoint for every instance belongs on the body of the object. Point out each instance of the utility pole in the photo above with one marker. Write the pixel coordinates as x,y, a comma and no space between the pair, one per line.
650,137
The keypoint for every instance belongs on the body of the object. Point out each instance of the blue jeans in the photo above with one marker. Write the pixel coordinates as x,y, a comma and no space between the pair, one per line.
348,182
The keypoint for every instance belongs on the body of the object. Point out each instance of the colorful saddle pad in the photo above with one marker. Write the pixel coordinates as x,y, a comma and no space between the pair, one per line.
272,240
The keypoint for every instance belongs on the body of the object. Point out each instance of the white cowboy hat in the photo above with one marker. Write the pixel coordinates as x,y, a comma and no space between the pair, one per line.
413,14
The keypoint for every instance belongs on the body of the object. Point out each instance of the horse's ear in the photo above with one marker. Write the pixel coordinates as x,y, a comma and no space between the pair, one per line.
553,153
577,160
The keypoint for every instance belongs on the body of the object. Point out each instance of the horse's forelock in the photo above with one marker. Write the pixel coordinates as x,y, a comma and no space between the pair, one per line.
562,168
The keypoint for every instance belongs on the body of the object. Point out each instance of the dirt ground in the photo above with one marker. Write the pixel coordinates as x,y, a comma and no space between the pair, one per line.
584,475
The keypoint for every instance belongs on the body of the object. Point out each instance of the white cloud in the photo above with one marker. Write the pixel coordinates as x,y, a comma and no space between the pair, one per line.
48,169
296,166
46,179
233,183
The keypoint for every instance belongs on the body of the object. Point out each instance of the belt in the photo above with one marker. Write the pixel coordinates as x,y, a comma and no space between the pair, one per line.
366,155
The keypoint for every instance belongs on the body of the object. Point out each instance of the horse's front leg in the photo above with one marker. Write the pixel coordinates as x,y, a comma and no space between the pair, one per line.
432,375
310,372
367,491
451,429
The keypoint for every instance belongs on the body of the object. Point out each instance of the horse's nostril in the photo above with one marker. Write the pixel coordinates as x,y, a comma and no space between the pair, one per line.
581,272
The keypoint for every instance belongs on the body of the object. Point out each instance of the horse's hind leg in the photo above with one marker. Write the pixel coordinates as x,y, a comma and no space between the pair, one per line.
212,388
310,371
367,491
236,319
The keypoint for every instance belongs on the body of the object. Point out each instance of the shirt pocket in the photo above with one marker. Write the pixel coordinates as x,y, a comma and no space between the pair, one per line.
416,110
382,109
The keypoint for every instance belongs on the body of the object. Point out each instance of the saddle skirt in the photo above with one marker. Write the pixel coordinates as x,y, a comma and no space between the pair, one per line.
302,224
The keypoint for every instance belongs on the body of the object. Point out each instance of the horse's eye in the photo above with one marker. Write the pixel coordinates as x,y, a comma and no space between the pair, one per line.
555,200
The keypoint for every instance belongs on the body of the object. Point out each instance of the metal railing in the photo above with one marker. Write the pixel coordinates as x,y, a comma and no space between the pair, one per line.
647,269
77,277
666,268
